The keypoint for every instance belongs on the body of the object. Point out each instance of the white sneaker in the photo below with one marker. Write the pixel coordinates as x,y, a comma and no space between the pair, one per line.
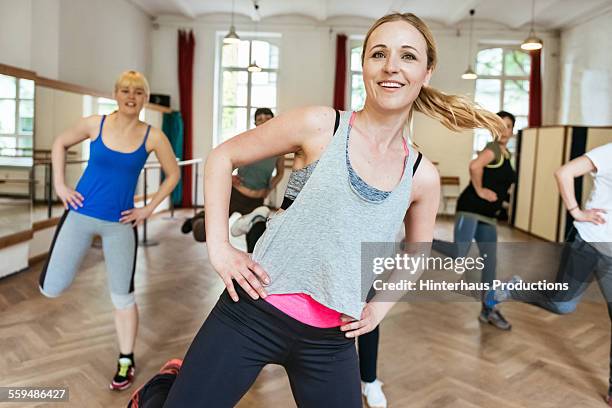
243,224
374,395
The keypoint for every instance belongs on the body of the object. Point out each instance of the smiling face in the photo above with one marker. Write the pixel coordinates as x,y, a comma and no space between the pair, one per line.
130,99
131,92
395,66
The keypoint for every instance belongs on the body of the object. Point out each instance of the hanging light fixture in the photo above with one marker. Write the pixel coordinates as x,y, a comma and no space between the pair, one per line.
253,67
469,72
532,42
232,36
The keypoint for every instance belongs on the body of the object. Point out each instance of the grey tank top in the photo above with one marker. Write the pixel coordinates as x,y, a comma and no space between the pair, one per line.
314,247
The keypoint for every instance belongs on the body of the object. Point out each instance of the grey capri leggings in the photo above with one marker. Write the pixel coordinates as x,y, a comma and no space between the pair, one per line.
73,238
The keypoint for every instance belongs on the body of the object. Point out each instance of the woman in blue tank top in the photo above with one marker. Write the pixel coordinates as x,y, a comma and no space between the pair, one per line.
103,204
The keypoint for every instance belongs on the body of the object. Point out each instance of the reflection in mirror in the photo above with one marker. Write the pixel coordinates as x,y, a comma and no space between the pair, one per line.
57,110
16,151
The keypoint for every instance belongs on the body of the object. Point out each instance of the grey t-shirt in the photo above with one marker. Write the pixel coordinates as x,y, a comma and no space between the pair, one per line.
256,176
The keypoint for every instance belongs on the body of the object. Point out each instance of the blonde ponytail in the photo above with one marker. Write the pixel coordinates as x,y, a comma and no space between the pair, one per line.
456,112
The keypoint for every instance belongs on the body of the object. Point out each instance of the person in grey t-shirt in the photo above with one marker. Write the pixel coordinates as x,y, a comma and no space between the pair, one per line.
250,186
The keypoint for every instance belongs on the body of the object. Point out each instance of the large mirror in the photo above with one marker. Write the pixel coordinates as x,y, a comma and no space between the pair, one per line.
56,111
60,105
17,107
33,111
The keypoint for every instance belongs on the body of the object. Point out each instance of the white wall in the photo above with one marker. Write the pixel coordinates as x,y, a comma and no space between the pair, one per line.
586,73
45,38
100,39
86,42
307,66
15,32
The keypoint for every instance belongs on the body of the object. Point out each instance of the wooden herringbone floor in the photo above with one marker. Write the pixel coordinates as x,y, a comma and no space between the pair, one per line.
431,355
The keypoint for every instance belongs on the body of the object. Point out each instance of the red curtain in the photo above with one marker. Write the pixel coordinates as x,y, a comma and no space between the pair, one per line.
340,83
535,90
186,45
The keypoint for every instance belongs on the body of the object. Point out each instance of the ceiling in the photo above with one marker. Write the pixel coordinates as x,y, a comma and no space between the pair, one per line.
549,14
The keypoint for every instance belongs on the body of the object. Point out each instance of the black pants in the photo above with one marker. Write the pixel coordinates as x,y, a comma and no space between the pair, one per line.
368,355
368,349
238,203
238,339
254,234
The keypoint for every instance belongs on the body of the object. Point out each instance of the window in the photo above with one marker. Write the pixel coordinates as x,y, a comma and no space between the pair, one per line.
502,84
357,94
106,106
16,116
241,92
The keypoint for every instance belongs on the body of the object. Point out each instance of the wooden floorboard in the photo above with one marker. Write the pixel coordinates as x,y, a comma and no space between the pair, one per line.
432,354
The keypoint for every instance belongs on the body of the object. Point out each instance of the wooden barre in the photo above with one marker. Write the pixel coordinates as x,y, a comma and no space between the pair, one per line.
449,180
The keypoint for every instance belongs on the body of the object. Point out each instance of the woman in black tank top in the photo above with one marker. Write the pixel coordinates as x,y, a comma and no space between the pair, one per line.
491,176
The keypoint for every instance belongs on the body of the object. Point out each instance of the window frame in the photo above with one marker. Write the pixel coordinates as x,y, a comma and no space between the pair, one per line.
503,78
271,38
353,41
17,135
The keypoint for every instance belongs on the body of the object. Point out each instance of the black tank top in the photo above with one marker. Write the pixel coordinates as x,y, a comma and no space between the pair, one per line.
497,176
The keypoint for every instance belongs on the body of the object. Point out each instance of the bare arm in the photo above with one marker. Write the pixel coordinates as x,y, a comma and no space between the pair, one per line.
82,130
419,224
565,176
289,132
476,171
165,155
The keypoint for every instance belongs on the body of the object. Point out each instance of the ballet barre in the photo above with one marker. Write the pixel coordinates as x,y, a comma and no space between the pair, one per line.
156,165
48,187
48,182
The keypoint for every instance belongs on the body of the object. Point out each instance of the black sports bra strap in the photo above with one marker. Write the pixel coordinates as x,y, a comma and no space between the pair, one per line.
337,121
416,163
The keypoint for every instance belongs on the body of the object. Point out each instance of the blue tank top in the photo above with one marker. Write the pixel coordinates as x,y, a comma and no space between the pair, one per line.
109,181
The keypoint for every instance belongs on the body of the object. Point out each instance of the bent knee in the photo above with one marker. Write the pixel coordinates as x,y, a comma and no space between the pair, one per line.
123,301
49,293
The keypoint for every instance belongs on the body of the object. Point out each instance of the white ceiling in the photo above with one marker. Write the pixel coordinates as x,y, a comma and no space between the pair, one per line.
549,14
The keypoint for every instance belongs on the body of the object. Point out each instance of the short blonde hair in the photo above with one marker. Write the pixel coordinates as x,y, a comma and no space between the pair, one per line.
134,79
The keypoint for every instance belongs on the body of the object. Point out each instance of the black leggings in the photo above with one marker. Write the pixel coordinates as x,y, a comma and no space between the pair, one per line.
238,339
154,393
257,230
368,349
368,355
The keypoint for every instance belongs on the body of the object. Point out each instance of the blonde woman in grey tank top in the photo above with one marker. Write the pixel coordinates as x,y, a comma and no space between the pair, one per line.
314,247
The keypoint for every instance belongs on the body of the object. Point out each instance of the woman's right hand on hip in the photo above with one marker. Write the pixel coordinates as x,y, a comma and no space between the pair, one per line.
487,194
234,265
592,215
69,196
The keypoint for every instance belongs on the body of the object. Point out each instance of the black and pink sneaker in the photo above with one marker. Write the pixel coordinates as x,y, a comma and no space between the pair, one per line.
125,375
